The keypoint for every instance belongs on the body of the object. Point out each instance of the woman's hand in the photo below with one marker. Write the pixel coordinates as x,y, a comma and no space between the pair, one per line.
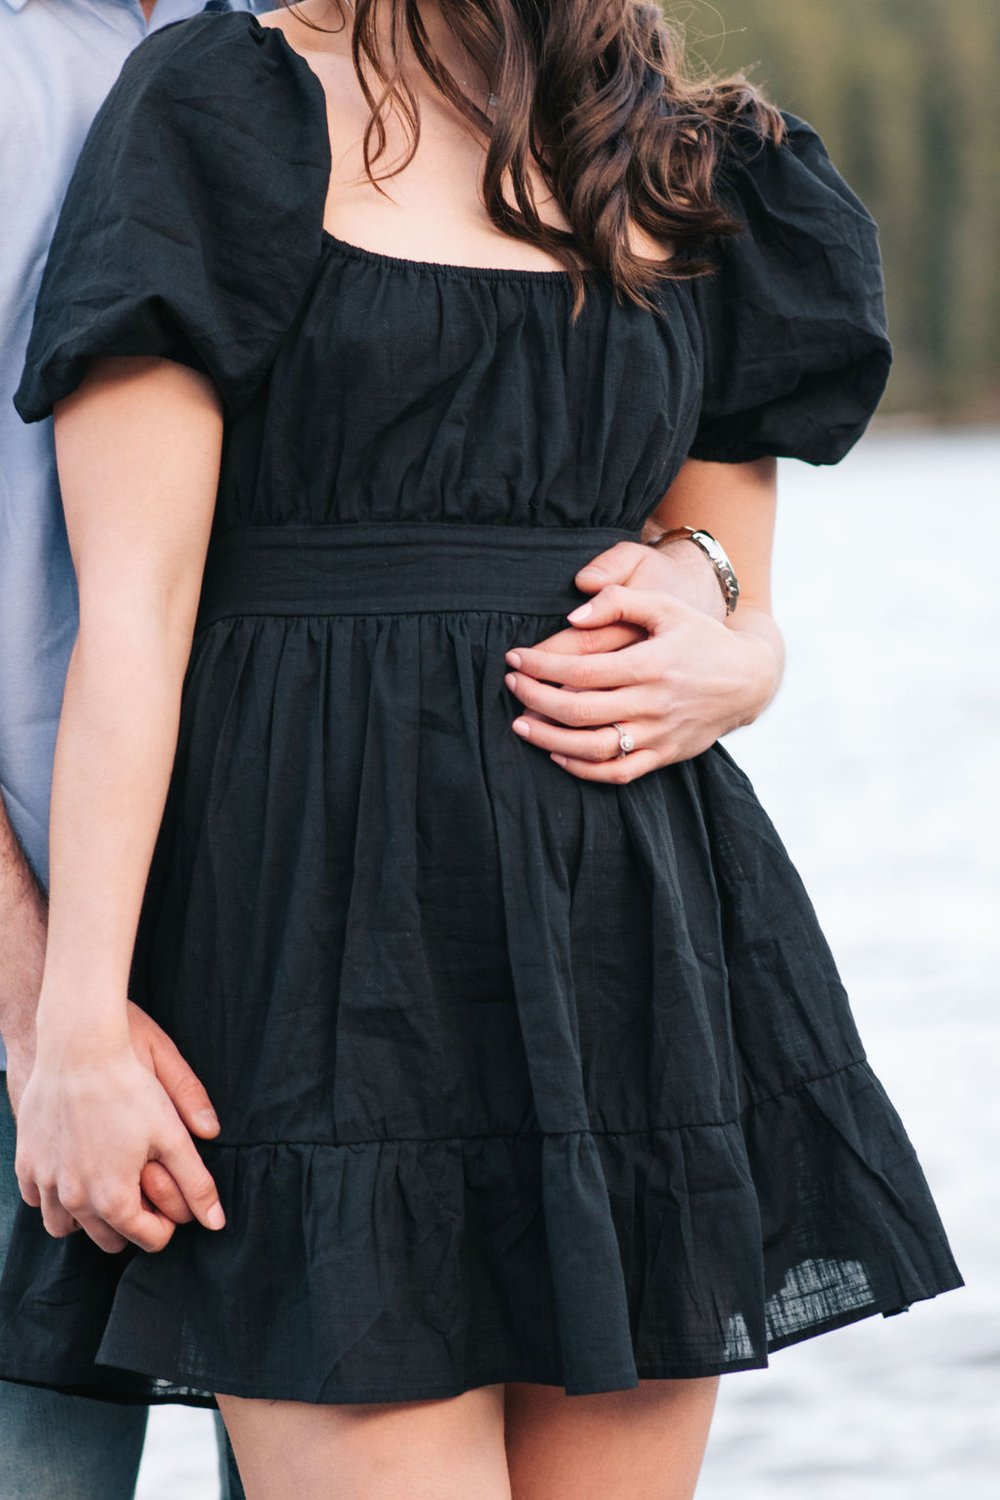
654,650
685,682
187,1093
92,1120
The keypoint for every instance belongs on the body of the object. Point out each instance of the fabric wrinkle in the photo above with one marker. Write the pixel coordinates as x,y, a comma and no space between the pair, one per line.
521,1076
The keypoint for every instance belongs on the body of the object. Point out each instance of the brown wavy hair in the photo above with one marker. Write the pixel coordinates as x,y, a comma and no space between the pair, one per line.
594,93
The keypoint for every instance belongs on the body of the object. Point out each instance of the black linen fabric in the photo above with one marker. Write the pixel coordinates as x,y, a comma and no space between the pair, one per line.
521,1077
796,354
157,250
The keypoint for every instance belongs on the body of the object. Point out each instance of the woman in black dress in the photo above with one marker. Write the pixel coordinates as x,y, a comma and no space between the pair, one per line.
541,1102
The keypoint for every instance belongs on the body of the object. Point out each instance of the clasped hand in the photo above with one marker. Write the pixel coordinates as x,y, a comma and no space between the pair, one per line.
105,1140
643,653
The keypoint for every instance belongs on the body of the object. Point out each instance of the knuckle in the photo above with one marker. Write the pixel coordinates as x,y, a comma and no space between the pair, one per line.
56,1220
597,638
29,1190
203,1188
641,668
133,1226
104,1239
72,1196
152,1237
666,679
190,1173
583,672
187,1087
110,1204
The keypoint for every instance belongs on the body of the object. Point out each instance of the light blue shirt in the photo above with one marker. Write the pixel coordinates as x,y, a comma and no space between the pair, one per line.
58,59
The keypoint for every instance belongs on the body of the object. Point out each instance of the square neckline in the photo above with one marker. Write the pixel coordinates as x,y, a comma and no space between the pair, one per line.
554,274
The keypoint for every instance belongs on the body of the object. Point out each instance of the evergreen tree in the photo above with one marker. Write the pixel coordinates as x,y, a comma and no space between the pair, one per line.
904,94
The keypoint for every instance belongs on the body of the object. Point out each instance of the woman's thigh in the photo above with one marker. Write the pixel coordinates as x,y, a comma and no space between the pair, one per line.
641,1444
388,1450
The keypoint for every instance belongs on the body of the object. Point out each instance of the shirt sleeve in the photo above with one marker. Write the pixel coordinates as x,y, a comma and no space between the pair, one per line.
193,222
793,318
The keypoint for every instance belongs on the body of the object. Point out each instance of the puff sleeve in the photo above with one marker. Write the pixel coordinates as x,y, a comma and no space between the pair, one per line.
793,319
193,221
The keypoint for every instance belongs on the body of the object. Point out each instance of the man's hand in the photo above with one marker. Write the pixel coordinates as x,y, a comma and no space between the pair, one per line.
679,570
688,681
157,1053
92,1119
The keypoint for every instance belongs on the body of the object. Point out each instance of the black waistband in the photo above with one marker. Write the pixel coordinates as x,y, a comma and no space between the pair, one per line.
398,567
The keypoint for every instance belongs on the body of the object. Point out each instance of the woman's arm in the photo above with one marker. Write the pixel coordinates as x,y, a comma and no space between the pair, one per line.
636,654
138,447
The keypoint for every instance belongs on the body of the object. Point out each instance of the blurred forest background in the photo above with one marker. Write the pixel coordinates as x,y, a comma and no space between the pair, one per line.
905,95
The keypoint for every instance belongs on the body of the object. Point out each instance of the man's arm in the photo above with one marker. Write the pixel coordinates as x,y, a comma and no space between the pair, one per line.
23,920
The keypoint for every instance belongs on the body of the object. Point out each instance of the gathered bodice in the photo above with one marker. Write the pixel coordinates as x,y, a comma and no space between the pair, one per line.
358,385
407,390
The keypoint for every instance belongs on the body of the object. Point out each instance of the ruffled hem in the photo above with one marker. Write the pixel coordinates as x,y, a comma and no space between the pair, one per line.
417,1269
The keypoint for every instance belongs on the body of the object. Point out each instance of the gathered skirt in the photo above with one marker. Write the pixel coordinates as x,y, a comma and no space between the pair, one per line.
521,1077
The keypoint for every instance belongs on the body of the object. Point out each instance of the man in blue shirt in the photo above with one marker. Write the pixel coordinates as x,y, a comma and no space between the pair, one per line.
58,59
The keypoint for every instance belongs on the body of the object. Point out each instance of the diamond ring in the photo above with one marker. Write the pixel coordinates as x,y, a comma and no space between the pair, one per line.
625,740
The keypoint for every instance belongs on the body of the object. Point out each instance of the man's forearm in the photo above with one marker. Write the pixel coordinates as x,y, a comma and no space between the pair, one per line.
23,918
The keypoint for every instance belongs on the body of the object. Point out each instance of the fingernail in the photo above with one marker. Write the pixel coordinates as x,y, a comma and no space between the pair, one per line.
580,613
215,1218
513,659
510,680
593,568
520,726
207,1119
560,760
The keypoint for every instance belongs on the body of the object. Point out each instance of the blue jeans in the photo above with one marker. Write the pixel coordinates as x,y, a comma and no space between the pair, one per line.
67,1446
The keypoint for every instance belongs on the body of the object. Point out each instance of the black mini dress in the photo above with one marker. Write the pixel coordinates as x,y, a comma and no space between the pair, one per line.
521,1077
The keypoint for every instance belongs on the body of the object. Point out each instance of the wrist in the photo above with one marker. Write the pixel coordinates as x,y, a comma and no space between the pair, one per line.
763,661
692,577
716,555
65,1029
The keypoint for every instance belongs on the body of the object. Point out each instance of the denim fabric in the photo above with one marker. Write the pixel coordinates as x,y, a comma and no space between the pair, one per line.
53,1445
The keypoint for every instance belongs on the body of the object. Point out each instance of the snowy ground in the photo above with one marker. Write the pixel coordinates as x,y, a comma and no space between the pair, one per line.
875,765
